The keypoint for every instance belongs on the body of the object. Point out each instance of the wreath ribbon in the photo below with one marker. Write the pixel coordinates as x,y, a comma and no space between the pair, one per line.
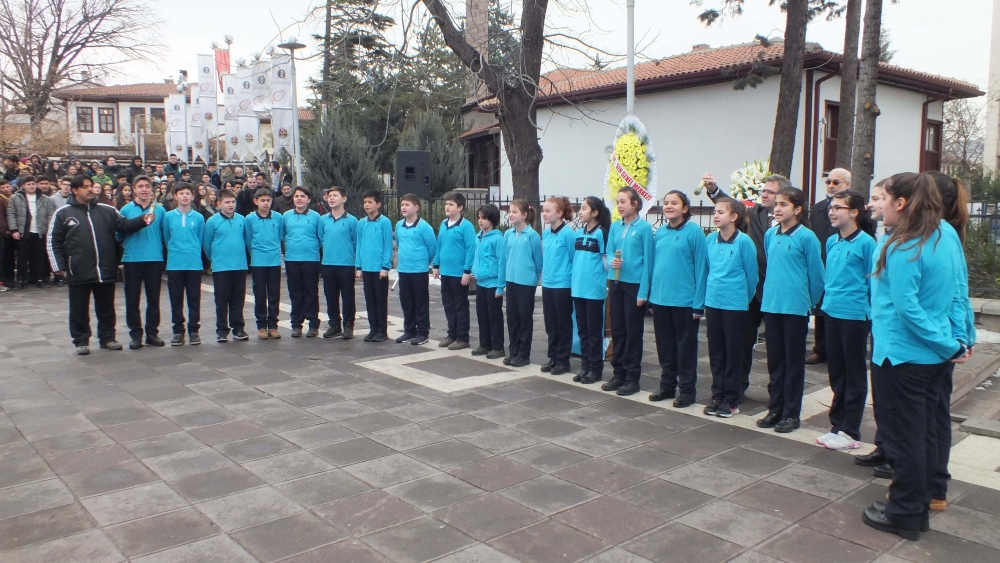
628,179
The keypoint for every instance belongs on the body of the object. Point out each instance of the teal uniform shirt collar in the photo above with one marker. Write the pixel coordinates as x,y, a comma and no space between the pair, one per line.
789,232
448,225
342,215
722,239
678,227
259,216
377,217
408,226
559,228
850,237
586,232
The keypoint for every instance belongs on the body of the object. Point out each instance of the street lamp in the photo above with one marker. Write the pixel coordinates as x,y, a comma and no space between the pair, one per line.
630,72
291,46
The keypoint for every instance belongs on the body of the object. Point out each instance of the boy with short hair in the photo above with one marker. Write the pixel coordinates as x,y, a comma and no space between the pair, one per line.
302,261
226,248
183,230
456,250
264,230
415,251
374,259
28,213
338,231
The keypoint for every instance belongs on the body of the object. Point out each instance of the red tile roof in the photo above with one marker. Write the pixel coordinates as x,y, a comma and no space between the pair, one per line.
149,91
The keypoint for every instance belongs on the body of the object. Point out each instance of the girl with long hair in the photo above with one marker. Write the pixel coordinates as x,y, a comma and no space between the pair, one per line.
489,268
123,197
524,268
558,250
590,287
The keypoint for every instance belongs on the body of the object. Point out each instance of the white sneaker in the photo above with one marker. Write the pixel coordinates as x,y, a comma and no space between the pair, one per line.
851,443
841,441
825,438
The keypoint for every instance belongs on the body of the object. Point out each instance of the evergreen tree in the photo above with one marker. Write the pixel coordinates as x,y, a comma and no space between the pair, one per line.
336,154
427,132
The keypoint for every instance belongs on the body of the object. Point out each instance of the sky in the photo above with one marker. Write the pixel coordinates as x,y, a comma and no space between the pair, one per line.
945,37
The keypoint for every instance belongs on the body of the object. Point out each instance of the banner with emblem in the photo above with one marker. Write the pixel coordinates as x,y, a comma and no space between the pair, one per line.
248,146
261,84
231,113
282,109
176,137
208,88
244,91
197,130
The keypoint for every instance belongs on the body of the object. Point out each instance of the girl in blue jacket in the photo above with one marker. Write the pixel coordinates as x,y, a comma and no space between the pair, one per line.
630,243
590,287
793,285
558,248
489,268
849,260
679,256
524,268
729,287
914,320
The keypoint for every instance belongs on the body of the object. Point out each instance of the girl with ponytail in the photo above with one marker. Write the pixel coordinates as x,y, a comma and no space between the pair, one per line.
558,250
524,268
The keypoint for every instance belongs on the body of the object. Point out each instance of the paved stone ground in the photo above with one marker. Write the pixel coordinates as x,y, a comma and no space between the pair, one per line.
312,450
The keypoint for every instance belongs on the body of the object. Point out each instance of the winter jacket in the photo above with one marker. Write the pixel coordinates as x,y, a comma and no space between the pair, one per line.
282,204
4,230
81,241
17,213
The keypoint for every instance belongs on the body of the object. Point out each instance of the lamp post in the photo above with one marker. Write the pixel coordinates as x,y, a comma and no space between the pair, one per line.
630,73
291,46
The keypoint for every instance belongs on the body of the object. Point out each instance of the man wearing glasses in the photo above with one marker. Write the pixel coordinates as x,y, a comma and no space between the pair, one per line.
838,180
761,217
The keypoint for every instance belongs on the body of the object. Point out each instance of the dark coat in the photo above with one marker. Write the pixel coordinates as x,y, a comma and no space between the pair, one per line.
81,241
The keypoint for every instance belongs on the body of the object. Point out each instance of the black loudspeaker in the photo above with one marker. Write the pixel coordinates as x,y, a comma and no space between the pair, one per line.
413,173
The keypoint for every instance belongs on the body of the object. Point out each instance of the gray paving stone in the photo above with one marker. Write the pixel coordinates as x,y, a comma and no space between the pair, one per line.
594,443
141,429
748,462
116,478
162,531
256,448
549,541
495,473
418,540
779,501
389,470
284,467
216,548
323,488
422,412
13,474
548,494
227,432
407,437
435,491
459,425
479,553
92,547
664,498
808,546
611,520
214,484
547,457
367,512
248,508
31,497
676,542
815,481
203,418
488,516
734,523
500,440
601,476
444,455
288,420
176,466
163,445
286,536
841,521
121,506
708,479
341,411
44,525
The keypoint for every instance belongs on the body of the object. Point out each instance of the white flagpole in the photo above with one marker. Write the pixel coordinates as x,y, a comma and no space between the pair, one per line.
630,89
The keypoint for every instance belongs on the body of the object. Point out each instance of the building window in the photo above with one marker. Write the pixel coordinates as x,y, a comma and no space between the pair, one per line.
137,116
106,119
830,132
85,120
932,147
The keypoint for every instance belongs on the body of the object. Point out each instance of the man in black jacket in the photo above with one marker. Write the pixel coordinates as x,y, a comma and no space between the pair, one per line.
81,246
761,217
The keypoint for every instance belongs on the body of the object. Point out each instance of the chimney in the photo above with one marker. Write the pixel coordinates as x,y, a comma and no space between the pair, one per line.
477,34
700,47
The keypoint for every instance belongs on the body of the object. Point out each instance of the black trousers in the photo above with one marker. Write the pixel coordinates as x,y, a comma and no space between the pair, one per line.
455,300
79,312
846,362
754,318
677,349
520,313
266,295
338,287
786,362
557,310
942,423
489,313
31,256
230,297
376,301
726,338
590,329
414,297
303,290
139,276
9,260
627,323
908,407
819,334
179,284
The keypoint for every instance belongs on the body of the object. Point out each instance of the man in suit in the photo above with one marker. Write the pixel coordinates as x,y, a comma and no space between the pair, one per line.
838,180
761,217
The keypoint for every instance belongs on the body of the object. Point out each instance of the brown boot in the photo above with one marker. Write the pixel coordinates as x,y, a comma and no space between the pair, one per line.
273,333
262,334
938,505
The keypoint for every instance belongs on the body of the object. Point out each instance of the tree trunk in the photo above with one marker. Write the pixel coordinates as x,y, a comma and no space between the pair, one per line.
790,90
863,161
848,85
520,140
324,92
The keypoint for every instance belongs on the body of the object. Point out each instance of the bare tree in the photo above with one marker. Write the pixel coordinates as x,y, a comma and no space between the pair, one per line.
863,161
848,84
964,135
47,44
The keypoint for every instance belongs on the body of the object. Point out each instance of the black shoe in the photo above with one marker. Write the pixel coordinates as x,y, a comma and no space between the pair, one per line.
348,332
877,519
240,334
507,360
297,332
925,523
873,459
60,283
661,395
313,332
884,471
559,370
786,425
592,377
713,408
480,351
495,354
177,340
519,362
380,337
154,341
769,421
419,340
683,402
406,337
194,339
628,388
547,366
222,337
111,345
332,332
613,384
19,286
39,284
135,344
370,336
581,374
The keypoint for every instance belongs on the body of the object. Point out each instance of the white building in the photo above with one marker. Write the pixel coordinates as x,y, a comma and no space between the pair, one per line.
991,150
698,123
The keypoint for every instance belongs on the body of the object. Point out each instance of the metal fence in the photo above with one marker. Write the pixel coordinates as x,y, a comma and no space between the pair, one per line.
982,248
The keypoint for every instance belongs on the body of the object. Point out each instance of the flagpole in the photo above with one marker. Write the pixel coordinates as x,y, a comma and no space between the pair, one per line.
291,46
630,88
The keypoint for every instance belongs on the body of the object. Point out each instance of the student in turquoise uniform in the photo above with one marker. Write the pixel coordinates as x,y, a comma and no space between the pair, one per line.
630,243
301,230
374,260
590,287
225,246
730,286
338,231
416,245
456,250
679,256
524,268
264,231
489,268
792,288
849,260
183,228
143,265
558,250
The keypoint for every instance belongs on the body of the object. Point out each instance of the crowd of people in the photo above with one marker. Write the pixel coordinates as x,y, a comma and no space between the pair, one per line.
779,262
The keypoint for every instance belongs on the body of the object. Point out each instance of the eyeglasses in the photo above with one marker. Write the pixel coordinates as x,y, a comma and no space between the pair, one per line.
769,192
834,182
839,207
